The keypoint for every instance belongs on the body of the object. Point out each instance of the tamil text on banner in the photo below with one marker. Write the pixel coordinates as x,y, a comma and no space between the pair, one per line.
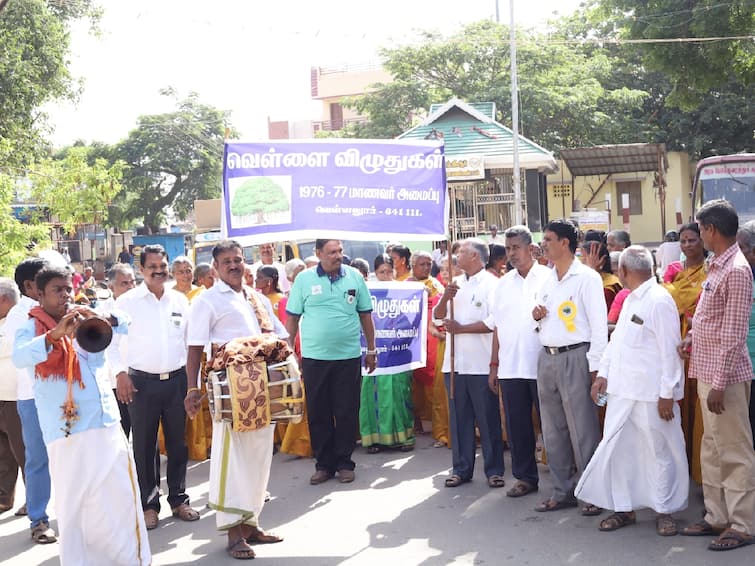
347,189
400,314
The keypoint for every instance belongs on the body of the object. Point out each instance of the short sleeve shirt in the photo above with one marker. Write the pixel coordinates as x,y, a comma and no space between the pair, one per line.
329,309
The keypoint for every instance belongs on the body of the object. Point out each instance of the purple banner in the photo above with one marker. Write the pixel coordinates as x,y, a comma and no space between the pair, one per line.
399,311
348,189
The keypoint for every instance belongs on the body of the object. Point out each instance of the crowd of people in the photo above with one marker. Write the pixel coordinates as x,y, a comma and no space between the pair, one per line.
635,371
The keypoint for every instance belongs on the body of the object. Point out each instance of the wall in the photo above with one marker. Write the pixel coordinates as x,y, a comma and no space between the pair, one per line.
643,228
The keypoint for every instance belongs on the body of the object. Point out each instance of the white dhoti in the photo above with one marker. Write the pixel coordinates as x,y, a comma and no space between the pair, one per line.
641,461
97,500
239,472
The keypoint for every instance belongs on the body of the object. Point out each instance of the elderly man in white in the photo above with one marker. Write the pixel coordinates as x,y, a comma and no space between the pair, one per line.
641,461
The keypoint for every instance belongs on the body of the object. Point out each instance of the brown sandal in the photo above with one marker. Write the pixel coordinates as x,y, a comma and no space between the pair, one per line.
240,550
700,529
740,539
616,521
665,526
521,488
43,534
151,519
259,536
591,510
454,480
185,513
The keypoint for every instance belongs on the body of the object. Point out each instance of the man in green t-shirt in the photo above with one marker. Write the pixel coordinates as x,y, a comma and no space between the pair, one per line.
332,303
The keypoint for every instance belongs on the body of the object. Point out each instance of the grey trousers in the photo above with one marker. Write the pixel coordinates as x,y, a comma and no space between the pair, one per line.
569,417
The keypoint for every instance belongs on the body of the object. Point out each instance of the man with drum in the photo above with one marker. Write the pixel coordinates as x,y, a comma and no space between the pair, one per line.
226,311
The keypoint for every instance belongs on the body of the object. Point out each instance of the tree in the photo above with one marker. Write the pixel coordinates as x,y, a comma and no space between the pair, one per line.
172,159
564,96
34,44
259,195
693,67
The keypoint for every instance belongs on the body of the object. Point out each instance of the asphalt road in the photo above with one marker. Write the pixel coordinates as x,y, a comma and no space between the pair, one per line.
398,513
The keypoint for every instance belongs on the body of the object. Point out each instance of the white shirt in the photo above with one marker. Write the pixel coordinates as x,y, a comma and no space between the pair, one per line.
104,308
156,339
221,314
471,304
513,300
438,256
583,287
17,318
641,361
283,281
667,253
8,379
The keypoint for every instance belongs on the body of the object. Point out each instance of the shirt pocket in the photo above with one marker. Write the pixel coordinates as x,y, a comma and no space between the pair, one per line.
635,335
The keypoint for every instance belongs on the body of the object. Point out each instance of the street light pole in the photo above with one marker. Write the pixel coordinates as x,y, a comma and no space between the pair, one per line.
516,181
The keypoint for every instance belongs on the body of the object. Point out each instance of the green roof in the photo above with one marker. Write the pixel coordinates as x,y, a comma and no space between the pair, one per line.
471,129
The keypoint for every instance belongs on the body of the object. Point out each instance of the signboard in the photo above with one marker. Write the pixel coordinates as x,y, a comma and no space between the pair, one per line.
465,167
399,311
728,170
348,189
592,220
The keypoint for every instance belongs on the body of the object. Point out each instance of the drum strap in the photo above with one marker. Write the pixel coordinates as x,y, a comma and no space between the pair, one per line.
263,318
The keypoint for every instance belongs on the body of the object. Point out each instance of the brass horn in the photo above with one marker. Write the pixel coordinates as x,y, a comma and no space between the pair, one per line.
94,334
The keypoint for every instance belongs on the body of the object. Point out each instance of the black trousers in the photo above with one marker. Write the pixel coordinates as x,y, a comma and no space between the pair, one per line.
12,455
519,396
333,388
125,417
156,401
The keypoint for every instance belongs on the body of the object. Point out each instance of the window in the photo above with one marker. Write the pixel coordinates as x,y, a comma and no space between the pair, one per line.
634,190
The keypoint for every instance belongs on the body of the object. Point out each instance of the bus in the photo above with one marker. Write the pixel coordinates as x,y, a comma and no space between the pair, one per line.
730,177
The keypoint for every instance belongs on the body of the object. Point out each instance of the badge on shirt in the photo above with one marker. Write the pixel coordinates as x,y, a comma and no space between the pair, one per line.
317,289
175,318
567,312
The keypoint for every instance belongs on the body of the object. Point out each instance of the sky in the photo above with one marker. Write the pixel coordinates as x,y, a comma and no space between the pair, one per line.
252,57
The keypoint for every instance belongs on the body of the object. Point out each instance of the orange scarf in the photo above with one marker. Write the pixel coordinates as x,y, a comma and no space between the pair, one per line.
62,362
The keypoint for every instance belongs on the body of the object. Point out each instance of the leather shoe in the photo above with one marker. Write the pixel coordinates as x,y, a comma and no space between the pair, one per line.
320,476
346,476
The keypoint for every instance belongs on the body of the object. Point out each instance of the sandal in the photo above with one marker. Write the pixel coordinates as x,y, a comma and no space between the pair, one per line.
553,505
665,526
454,480
21,512
521,488
700,529
406,448
185,513
616,521
151,519
259,536
374,449
591,510
240,550
496,481
43,534
740,539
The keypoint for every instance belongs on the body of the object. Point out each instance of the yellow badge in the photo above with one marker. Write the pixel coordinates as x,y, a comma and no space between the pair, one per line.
567,311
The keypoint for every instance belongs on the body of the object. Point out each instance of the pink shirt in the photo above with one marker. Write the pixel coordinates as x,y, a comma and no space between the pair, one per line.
721,322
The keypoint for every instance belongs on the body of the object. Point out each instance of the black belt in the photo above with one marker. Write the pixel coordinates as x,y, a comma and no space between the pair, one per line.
553,350
160,376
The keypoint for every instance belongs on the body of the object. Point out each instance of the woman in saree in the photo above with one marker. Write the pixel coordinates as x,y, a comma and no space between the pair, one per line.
386,415
685,288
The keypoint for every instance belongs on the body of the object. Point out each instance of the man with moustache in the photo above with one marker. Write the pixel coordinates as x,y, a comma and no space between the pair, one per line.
152,381
96,499
571,320
516,348
240,461
332,301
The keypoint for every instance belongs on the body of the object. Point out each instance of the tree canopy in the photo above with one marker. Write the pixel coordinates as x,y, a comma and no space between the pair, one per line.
172,159
573,89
